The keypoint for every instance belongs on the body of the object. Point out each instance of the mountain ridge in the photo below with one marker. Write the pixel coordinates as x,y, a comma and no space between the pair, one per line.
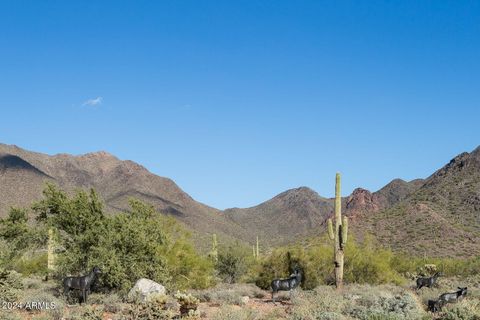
295,213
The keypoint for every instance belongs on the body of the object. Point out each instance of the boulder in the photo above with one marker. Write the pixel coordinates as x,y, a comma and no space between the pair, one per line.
144,289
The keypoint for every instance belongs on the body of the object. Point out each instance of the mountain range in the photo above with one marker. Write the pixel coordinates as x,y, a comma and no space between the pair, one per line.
436,216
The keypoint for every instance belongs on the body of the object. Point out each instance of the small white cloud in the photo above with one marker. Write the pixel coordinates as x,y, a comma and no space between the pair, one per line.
93,102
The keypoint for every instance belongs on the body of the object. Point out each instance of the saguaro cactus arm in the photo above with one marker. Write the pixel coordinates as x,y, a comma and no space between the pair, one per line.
344,231
330,229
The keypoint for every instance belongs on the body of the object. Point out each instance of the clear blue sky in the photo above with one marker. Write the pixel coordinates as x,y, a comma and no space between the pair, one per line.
240,100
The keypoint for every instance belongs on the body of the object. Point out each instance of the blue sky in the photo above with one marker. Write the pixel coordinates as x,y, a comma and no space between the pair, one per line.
240,100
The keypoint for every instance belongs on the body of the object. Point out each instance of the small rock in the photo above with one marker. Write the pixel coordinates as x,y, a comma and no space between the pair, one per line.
244,300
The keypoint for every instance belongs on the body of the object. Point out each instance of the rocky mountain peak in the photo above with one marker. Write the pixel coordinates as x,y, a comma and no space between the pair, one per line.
362,200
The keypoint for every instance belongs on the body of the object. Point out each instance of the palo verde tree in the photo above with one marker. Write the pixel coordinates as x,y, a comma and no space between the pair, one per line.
138,243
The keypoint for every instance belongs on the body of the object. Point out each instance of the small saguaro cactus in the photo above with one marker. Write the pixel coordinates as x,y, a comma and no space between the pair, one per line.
214,253
257,255
50,252
254,253
339,234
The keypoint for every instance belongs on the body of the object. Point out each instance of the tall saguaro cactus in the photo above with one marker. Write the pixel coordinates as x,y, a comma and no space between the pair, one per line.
339,235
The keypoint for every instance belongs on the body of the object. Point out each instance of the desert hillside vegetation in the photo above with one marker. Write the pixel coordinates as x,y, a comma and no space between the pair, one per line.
66,234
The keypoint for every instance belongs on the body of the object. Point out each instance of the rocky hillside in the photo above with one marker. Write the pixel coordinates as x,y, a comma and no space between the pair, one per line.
364,201
440,218
429,216
23,175
301,212
293,213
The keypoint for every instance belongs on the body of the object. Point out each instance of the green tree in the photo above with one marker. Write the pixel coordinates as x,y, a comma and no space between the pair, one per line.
233,262
139,243
14,227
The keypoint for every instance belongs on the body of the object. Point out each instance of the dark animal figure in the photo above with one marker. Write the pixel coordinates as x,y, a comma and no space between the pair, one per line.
435,305
428,282
287,284
83,283
454,296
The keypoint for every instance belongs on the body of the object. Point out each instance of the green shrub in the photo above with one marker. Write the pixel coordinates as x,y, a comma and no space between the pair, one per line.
322,303
365,262
19,241
32,283
6,251
233,262
467,309
112,302
232,313
415,266
86,313
31,263
11,286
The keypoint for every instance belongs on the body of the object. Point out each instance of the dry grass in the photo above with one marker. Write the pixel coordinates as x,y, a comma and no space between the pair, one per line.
232,294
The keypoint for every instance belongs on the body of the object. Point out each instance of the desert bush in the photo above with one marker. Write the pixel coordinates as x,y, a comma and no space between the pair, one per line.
229,294
111,302
11,285
155,308
86,313
233,262
19,241
467,309
365,262
449,267
32,283
41,297
9,315
31,263
232,313
358,302
159,306
6,251
320,304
